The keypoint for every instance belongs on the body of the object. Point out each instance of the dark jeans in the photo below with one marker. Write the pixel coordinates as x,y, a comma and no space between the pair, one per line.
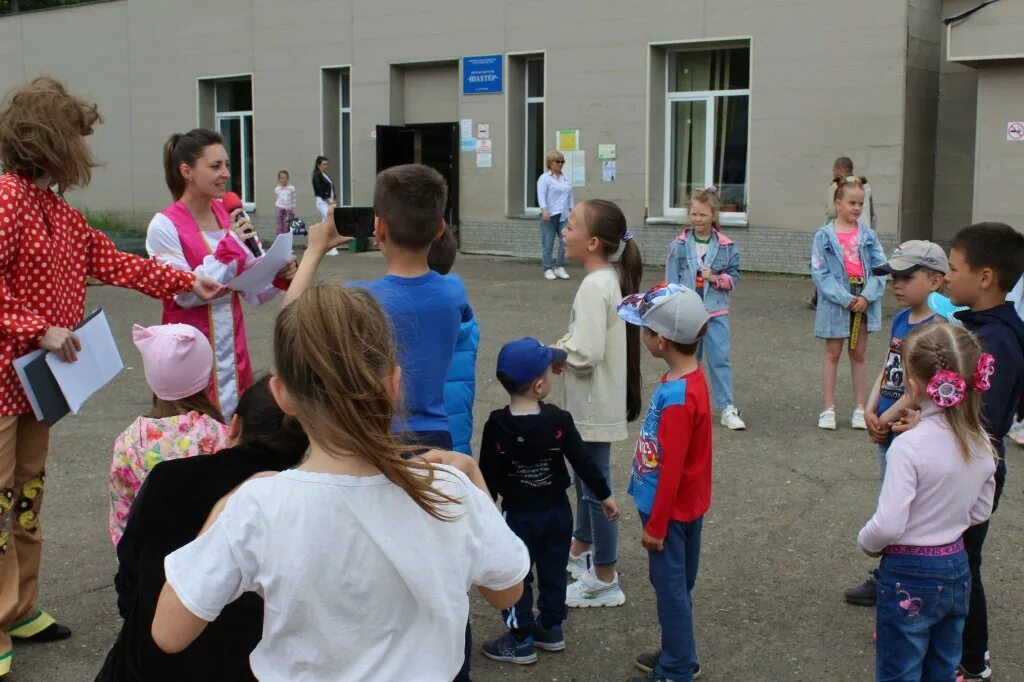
975,642
427,440
547,533
922,603
673,573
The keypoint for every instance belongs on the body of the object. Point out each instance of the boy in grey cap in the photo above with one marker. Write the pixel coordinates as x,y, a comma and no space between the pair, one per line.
917,269
671,477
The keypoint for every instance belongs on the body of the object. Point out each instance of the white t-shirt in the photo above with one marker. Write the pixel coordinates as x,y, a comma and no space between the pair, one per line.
359,583
285,197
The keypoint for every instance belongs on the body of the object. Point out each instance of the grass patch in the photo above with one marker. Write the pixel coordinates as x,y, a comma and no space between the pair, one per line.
114,223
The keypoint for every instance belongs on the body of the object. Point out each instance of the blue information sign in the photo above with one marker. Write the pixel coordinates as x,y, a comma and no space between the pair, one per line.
482,75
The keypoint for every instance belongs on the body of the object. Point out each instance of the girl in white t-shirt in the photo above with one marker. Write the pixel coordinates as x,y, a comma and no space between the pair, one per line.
363,557
285,202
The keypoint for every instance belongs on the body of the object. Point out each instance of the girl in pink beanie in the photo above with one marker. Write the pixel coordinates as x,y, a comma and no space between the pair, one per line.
178,362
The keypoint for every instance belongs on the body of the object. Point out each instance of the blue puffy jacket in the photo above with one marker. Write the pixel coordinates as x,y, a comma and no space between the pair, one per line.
460,386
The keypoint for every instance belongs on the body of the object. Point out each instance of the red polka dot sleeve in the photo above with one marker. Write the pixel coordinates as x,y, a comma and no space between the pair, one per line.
17,318
106,263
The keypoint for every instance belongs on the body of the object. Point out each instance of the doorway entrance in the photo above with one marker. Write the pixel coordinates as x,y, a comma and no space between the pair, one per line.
433,144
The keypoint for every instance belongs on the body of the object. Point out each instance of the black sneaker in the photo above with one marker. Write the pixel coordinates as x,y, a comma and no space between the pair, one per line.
970,674
510,650
648,661
548,639
865,594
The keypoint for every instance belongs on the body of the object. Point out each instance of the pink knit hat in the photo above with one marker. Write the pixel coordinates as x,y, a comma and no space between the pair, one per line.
177,359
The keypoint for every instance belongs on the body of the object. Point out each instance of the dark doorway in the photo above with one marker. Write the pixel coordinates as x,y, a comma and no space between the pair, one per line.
432,144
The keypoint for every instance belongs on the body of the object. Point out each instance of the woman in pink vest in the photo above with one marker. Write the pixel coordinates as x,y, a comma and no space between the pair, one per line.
196,234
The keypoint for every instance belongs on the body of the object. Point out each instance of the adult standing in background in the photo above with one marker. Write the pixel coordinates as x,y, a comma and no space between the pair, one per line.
47,250
554,196
323,190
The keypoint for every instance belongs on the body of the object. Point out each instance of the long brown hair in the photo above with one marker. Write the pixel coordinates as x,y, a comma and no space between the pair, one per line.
43,130
185,148
934,347
197,402
333,351
604,220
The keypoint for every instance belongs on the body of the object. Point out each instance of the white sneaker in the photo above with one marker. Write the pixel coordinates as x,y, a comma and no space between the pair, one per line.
579,566
332,252
731,419
549,274
827,419
591,591
857,421
560,273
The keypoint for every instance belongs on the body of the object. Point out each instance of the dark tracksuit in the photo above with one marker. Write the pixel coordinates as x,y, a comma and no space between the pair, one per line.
1002,335
522,458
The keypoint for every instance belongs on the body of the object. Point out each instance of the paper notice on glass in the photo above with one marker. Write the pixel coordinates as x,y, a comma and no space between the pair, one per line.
97,364
608,171
262,272
466,128
483,160
579,168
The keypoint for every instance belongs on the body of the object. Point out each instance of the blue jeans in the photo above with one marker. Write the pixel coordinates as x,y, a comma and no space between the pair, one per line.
882,450
673,573
716,343
592,527
922,604
546,531
549,229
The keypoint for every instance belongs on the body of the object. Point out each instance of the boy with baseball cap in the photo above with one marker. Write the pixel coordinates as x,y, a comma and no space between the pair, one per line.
522,458
671,479
917,269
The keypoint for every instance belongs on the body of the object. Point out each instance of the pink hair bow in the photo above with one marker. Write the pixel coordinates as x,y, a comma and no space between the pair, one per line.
947,388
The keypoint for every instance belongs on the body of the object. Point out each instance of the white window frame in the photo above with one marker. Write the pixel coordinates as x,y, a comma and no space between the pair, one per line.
344,133
244,128
710,97
542,100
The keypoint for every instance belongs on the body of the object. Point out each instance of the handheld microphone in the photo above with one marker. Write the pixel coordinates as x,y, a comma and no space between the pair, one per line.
232,203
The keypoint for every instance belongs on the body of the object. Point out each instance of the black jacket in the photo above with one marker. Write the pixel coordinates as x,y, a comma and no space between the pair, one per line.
322,188
168,513
523,458
1002,335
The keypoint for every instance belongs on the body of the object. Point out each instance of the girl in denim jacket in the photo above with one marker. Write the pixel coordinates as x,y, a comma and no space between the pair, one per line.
705,260
843,258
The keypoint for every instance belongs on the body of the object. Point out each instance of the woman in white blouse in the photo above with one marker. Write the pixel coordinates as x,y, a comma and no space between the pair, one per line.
554,196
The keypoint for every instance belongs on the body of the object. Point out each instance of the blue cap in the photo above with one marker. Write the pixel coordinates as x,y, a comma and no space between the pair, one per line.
525,360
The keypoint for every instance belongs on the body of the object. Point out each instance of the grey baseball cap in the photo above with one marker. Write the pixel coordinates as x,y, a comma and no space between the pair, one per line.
909,256
673,311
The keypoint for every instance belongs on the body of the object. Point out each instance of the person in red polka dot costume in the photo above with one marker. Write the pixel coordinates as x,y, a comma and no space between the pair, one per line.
47,250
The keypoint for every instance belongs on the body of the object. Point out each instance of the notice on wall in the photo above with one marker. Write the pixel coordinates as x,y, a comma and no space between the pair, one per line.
575,167
483,147
483,131
1015,131
466,128
608,171
606,152
483,160
567,140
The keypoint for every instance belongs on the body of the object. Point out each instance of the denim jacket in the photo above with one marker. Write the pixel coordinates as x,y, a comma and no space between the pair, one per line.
723,258
832,317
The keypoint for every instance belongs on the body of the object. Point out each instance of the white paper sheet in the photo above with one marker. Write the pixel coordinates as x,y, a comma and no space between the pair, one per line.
260,274
98,363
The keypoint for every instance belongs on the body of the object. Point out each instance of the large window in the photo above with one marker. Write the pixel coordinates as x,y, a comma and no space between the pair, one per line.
534,135
233,115
336,128
707,99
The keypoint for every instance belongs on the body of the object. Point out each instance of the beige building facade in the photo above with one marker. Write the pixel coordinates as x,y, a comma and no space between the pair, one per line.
757,98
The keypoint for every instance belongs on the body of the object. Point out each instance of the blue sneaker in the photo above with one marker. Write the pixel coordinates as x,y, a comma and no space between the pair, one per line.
510,650
550,639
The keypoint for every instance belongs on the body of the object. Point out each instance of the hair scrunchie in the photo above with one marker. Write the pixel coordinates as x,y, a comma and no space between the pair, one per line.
947,388
983,374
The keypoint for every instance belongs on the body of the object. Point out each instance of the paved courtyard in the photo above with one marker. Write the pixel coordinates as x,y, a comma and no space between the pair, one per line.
779,542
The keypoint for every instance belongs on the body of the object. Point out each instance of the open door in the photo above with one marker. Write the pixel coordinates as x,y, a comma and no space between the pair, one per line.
396,145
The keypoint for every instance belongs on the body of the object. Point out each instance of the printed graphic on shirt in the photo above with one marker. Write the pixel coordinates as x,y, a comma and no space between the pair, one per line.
530,471
647,456
892,375
851,251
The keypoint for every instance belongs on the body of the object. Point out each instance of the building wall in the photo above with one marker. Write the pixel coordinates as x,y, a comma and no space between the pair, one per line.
827,79
999,163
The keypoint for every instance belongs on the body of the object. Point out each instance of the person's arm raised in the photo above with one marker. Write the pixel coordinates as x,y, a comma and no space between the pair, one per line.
322,238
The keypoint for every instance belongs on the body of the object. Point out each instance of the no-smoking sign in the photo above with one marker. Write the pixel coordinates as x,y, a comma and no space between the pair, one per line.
1015,131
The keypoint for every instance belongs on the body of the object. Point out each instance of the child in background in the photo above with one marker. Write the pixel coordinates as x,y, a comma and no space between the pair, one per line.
671,474
842,167
460,384
706,261
386,598
843,259
168,513
177,360
938,483
522,458
917,269
602,384
285,202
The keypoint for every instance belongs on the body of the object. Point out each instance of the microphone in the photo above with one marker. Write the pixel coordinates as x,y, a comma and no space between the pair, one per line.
233,202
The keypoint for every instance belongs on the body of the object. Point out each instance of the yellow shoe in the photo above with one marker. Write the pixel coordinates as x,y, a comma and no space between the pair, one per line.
39,627
5,663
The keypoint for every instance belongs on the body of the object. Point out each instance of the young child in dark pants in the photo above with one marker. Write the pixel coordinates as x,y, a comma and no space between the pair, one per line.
522,458
671,479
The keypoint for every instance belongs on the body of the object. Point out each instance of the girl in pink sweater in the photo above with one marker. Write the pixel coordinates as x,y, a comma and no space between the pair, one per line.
939,482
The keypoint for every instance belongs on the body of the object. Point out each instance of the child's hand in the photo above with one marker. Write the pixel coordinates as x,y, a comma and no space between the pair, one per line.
859,304
652,543
708,275
324,236
288,271
877,431
908,420
611,509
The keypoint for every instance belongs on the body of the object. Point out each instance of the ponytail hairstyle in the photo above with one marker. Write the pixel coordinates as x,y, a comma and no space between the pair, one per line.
316,164
604,220
844,183
334,353
932,348
709,196
185,148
